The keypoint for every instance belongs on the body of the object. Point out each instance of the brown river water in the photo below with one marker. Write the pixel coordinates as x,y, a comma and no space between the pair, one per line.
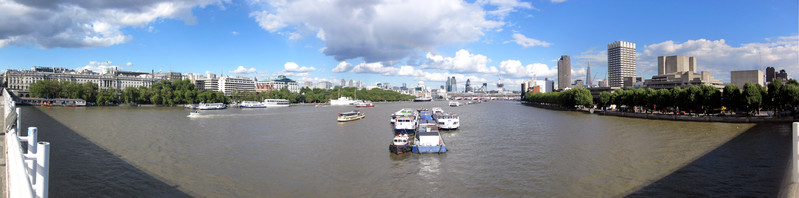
502,149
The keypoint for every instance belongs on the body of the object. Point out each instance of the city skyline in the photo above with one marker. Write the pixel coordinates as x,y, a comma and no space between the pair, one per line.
515,40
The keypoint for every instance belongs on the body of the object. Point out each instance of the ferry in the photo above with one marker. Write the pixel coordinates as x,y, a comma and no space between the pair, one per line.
350,116
364,104
211,106
448,121
455,104
342,101
428,140
252,104
276,103
400,144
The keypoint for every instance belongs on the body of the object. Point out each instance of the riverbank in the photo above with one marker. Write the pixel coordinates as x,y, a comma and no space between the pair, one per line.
674,117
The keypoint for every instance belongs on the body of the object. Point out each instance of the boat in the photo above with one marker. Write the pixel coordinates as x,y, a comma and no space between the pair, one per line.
448,121
350,116
364,104
437,110
428,140
455,104
276,103
252,104
401,113
342,101
405,125
211,106
400,144
423,99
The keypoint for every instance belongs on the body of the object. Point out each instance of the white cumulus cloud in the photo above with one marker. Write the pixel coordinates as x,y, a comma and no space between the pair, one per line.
293,67
243,70
463,62
85,24
382,30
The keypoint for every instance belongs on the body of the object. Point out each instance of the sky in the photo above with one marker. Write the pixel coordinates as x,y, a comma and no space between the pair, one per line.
396,41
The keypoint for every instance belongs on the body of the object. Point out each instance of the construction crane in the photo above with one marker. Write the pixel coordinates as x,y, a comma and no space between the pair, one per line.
591,84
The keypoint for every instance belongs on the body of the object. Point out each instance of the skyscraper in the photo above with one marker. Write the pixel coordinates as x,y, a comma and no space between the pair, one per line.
468,86
588,75
449,85
453,85
564,72
621,62
770,74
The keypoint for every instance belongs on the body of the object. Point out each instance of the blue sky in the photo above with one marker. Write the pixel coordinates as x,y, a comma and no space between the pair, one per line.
395,41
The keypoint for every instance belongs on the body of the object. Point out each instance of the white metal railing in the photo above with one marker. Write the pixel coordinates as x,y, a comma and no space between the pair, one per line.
795,154
27,174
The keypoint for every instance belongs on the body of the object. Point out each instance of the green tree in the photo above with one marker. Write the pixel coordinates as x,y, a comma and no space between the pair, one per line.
752,98
732,97
604,99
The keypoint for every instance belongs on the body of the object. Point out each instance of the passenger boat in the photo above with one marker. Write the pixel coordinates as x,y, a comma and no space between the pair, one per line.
211,106
423,99
400,144
448,121
428,140
252,104
364,104
401,113
437,110
350,116
405,125
276,103
342,101
455,104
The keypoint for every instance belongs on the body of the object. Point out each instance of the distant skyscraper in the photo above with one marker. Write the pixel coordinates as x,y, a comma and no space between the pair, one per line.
468,86
351,83
588,75
343,83
564,72
621,62
453,85
770,74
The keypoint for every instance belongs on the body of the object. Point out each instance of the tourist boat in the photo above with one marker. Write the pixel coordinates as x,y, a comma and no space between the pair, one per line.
455,104
342,101
405,125
401,113
364,104
400,144
276,103
428,140
437,110
211,106
448,121
350,116
423,99
252,104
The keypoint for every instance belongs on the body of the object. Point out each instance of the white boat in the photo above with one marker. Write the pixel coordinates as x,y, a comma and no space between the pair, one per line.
367,103
448,121
276,103
350,116
423,99
405,125
401,113
400,144
342,101
252,104
455,104
437,110
211,106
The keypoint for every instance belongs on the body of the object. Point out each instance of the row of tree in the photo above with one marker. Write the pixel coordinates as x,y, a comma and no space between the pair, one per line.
698,99
183,92
317,95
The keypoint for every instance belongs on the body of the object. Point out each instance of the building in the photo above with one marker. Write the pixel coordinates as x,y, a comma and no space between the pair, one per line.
277,84
229,84
588,75
770,75
308,84
679,71
468,87
564,72
549,85
781,76
351,83
635,82
747,76
621,62
452,85
18,81
324,85
578,83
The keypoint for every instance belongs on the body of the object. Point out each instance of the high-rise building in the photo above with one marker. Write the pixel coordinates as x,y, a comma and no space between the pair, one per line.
588,75
351,83
343,83
747,76
621,62
781,76
468,87
770,74
564,72
453,85
672,64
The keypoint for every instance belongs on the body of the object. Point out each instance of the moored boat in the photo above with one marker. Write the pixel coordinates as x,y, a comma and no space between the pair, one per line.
342,101
252,104
211,106
401,113
350,116
400,144
448,121
429,140
423,99
455,104
405,125
276,103
364,104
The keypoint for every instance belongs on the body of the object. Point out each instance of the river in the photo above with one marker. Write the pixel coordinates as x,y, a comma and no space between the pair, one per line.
502,149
